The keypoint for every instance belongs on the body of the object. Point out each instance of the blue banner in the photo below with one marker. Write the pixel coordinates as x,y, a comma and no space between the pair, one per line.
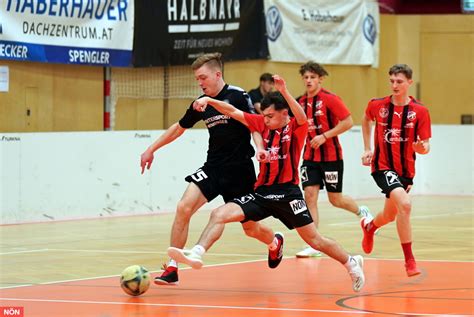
91,32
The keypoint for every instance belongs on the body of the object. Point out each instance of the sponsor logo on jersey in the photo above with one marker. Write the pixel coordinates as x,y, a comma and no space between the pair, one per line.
393,135
298,206
331,177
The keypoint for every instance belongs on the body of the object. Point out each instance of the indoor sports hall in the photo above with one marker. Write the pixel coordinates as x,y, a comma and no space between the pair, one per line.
87,86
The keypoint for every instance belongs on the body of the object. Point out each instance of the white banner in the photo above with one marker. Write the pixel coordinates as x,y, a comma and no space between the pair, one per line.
67,31
325,31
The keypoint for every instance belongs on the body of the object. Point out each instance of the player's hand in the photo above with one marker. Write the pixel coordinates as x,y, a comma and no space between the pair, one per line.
200,104
420,146
280,83
367,158
146,160
263,156
317,141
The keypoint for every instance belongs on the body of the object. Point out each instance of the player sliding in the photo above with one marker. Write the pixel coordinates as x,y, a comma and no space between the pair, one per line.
276,192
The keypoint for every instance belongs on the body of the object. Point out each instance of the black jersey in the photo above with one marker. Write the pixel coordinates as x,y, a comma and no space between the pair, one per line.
229,140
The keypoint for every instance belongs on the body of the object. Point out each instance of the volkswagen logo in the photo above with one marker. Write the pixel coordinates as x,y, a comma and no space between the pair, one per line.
370,29
274,23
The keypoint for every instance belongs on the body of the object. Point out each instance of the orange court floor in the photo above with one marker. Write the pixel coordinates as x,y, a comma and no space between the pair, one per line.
72,268
298,287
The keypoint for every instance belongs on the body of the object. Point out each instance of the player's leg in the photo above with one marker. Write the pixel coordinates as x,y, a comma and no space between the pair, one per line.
190,202
353,264
230,212
403,202
311,179
258,231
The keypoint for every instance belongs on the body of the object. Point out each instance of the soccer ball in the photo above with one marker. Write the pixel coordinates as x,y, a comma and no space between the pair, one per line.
135,280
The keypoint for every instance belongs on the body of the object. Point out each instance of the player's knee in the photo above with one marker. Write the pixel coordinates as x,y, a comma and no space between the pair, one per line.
184,210
251,232
405,207
218,216
335,200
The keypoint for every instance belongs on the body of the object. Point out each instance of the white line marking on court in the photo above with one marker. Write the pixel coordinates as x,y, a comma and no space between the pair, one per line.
451,214
184,305
217,307
149,252
24,251
117,275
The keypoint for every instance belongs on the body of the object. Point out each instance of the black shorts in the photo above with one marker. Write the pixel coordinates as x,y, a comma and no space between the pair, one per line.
228,181
283,201
389,180
323,173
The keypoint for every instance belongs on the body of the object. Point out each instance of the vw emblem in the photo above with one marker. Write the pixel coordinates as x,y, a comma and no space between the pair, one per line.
274,23
370,29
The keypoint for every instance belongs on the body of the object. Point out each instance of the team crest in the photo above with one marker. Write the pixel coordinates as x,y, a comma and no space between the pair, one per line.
411,115
383,113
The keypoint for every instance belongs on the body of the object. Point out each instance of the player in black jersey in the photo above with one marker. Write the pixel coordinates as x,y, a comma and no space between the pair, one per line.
228,170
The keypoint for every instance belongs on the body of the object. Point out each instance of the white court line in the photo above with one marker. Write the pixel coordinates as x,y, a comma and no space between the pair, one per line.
219,307
117,275
25,251
452,214
152,252
213,265
188,305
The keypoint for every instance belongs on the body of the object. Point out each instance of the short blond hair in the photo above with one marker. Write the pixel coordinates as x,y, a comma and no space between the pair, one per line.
212,59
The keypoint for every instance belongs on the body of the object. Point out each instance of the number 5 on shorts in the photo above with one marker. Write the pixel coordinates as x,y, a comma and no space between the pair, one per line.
199,175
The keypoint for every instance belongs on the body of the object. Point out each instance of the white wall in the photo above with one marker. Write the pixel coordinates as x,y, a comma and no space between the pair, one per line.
56,176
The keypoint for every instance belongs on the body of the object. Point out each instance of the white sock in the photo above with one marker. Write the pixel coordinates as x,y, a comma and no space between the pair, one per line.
173,263
199,250
272,246
351,263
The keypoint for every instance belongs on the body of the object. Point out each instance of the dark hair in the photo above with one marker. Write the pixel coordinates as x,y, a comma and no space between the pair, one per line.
213,59
275,99
266,77
401,69
314,68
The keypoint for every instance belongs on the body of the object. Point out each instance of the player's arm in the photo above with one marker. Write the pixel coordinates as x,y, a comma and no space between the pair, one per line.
341,127
222,107
366,136
262,154
295,107
173,132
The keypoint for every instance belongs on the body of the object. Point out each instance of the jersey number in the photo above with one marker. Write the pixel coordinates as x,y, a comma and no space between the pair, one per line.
199,176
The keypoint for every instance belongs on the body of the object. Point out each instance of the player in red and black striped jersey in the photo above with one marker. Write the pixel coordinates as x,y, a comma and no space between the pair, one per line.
402,129
323,163
228,170
276,191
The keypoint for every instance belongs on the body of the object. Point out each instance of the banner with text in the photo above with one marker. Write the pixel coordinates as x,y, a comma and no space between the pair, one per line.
325,31
175,32
67,31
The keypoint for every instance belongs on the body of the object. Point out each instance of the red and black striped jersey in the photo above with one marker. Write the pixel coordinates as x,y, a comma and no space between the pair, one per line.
324,111
284,145
396,128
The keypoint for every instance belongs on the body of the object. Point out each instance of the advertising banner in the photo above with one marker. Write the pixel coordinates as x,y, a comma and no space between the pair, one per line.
325,31
93,32
175,32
